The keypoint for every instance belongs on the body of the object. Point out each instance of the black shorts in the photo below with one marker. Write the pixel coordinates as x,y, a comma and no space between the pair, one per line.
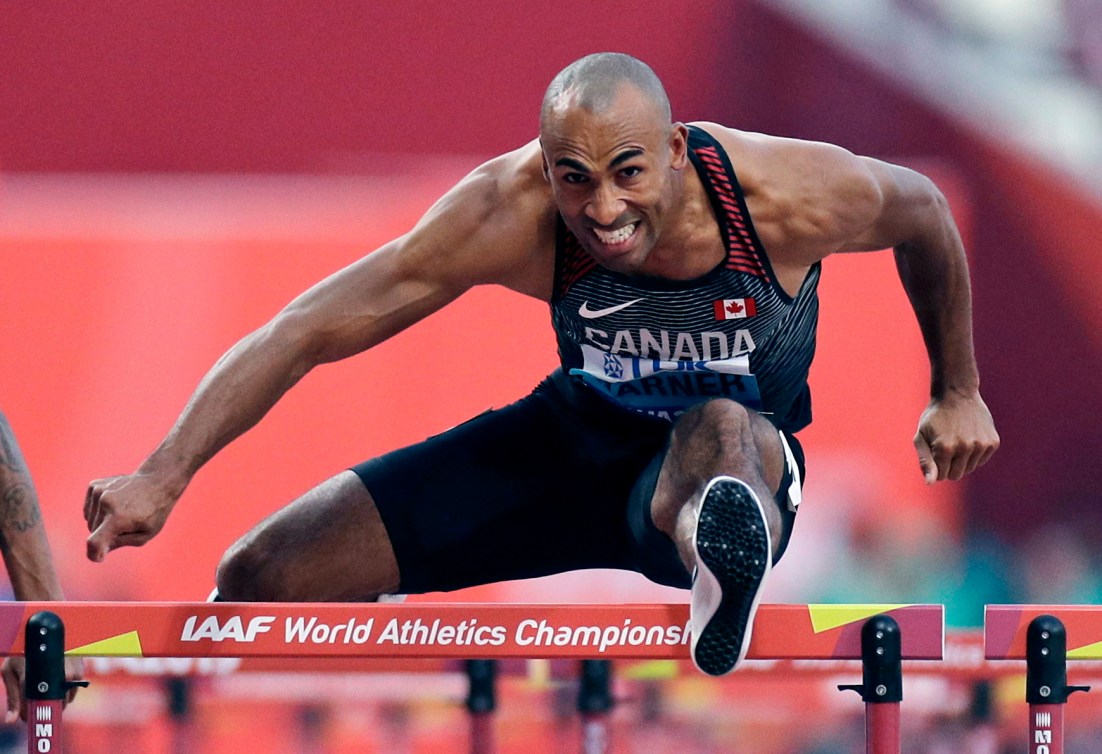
558,481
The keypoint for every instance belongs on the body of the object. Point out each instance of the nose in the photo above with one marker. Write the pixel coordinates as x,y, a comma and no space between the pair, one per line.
605,206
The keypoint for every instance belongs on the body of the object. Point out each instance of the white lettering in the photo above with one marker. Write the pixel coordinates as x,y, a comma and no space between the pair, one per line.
522,637
743,343
392,634
623,343
707,339
543,634
703,346
647,344
233,629
686,348
591,334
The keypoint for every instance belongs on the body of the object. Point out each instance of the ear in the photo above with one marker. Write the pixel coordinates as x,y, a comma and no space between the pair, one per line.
679,146
543,163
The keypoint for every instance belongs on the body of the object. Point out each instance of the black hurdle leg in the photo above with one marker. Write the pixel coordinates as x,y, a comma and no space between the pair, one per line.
45,686
1046,683
882,684
481,703
595,705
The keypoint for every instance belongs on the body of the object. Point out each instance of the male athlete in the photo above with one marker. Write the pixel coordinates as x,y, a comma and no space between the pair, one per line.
26,554
680,263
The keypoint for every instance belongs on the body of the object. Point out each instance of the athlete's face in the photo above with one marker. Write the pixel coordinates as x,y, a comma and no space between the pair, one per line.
614,175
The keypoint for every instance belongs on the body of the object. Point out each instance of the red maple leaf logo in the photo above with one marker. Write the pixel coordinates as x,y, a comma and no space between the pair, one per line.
735,307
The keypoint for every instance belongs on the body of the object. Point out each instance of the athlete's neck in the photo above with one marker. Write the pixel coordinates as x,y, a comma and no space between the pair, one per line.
690,244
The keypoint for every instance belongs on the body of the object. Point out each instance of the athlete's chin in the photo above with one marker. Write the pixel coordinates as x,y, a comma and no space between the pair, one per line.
627,258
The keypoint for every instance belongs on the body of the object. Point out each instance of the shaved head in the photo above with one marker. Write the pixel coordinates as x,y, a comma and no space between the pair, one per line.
593,82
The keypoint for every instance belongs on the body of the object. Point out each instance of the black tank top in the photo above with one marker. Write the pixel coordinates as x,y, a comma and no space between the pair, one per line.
658,346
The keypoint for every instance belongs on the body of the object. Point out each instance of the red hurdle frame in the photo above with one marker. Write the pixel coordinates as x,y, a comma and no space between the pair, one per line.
879,635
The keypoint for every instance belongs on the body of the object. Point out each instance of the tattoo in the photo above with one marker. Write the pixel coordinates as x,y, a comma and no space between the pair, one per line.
19,510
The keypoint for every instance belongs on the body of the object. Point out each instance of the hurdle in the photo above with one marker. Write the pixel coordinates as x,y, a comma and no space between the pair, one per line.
1039,635
467,632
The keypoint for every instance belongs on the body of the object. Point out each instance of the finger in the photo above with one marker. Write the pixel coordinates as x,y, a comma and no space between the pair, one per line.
958,465
925,459
976,458
90,497
131,539
943,456
13,686
101,541
979,454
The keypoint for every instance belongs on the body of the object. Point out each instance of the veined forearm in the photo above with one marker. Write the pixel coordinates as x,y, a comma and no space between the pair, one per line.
934,272
30,568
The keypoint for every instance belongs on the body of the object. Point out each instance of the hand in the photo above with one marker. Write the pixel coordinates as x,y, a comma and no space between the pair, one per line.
14,671
956,435
125,511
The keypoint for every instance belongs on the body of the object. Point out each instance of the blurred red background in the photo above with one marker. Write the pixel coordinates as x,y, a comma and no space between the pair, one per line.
175,172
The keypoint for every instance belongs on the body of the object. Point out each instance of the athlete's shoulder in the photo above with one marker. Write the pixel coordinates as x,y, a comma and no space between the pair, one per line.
751,148
807,197
514,181
496,225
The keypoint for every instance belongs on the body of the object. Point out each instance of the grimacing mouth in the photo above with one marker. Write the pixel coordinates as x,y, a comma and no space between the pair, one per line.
618,236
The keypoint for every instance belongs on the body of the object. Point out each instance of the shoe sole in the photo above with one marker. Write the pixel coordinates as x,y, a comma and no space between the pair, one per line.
734,554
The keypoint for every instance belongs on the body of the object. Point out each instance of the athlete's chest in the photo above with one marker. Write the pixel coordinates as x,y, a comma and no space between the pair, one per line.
720,314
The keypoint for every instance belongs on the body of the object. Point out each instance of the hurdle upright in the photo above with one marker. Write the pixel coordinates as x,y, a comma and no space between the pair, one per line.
1040,635
470,631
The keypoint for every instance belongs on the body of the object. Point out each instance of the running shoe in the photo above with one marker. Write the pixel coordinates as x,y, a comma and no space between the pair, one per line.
733,556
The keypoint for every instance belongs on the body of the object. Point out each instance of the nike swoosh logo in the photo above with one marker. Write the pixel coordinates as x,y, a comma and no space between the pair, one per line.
588,313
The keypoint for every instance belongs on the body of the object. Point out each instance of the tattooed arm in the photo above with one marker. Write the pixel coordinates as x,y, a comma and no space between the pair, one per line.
26,554
23,542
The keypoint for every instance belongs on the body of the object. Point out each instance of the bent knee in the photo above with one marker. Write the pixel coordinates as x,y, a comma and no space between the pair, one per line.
717,420
246,574
723,412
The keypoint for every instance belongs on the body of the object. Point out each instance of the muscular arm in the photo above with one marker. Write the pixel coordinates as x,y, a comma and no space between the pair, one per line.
810,200
491,228
26,554
956,433
23,543
915,221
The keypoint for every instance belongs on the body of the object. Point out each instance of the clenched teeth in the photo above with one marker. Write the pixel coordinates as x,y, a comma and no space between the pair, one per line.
616,236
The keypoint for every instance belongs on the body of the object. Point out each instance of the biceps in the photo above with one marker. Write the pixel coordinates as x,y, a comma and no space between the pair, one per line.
363,304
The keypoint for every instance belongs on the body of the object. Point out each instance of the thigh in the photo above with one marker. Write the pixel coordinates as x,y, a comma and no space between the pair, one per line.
328,545
529,490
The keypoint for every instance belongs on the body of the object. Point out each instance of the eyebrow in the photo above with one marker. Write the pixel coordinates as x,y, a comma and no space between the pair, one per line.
570,162
624,156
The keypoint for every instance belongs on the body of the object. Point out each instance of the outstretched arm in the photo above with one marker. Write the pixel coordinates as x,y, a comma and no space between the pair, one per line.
488,229
26,554
956,433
